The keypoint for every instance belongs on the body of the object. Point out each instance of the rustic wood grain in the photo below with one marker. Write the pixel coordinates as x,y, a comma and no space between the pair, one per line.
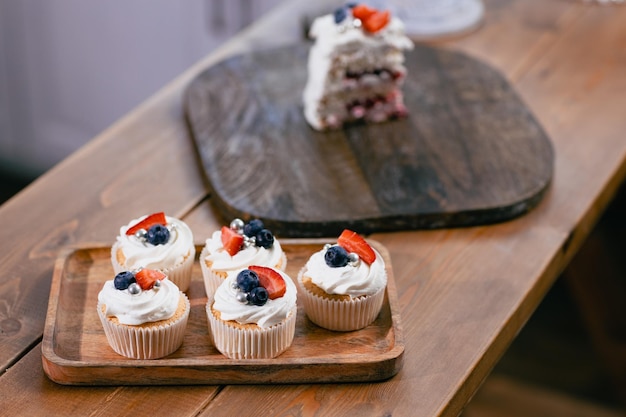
75,350
469,153
26,391
481,283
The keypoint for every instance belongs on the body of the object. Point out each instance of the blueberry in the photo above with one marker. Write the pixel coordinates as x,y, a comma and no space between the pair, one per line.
247,280
336,257
123,280
340,15
252,227
265,239
258,296
158,235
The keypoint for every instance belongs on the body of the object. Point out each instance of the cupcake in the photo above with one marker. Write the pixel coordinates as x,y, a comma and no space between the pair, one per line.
236,247
158,242
144,314
343,285
252,314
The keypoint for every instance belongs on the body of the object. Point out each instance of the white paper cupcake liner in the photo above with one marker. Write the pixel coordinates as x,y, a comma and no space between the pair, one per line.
179,274
150,342
247,343
212,280
341,315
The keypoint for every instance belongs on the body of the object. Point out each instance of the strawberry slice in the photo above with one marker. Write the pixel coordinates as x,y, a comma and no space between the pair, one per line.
352,242
362,12
376,21
149,221
231,240
270,280
147,277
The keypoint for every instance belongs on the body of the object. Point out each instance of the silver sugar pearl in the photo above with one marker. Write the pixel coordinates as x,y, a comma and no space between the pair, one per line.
234,285
134,289
357,23
242,297
237,225
353,259
327,246
249,241
141,234
157,284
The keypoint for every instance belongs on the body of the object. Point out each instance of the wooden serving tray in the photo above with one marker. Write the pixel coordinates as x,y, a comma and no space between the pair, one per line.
469,153
75,350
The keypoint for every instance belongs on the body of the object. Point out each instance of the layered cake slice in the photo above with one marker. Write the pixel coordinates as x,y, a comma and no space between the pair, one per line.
355,68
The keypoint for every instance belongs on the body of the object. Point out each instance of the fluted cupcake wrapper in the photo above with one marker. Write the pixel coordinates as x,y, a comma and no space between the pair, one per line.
213,279
151,342
179,274
341,315
251,343
210,278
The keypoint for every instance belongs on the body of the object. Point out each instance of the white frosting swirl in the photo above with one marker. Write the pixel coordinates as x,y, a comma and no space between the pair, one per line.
147,306
252,255
354,281
329,36
139,253
267,315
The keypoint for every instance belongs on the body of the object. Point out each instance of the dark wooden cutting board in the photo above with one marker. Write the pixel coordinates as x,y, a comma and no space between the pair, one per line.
470,152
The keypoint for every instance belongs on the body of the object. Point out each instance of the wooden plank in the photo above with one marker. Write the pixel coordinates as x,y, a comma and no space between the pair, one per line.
27,391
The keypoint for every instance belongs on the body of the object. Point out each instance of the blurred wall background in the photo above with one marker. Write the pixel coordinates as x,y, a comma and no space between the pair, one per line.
70,68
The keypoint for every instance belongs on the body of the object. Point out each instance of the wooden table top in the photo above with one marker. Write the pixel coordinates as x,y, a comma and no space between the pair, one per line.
463,293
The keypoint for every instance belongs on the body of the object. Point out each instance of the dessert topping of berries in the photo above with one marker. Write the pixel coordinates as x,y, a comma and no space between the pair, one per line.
252,233
153,229
352,242
363,11
258,284
147,222
336,256
253,227
123,280
149,278
371,19
158,235
231,240
258,296
264,239
340,14
270,280
376,21
135,282
247,280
